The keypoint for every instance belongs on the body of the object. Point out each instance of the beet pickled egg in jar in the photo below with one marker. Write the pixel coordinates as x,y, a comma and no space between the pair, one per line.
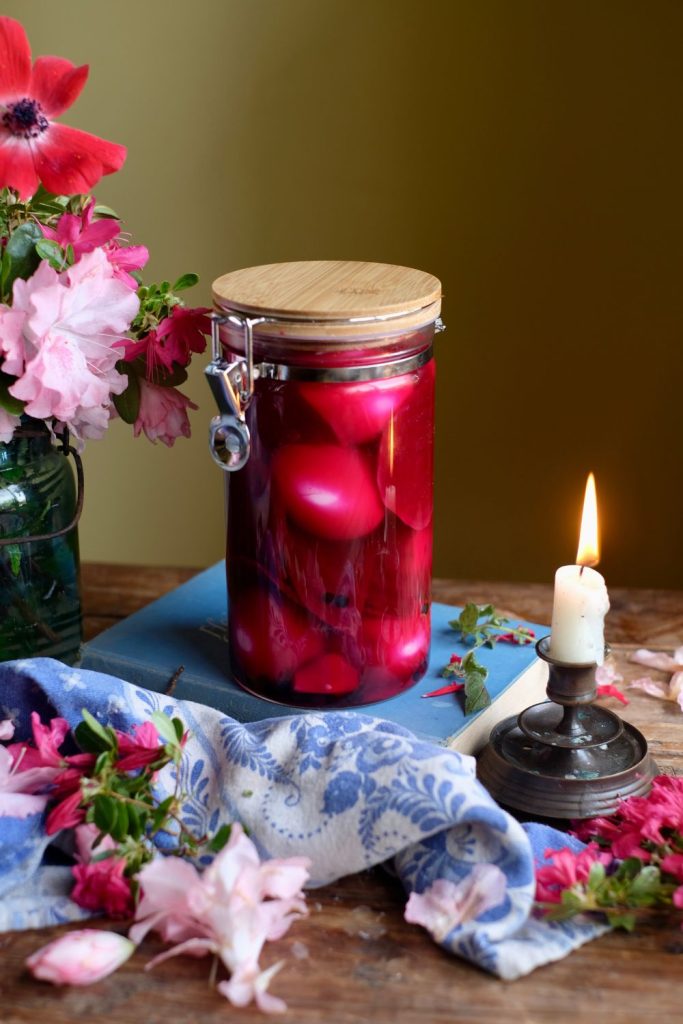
324,377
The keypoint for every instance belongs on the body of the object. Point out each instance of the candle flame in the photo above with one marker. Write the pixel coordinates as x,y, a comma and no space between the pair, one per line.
589,543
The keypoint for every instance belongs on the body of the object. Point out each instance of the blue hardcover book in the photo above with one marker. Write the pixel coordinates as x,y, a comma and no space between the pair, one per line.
188,627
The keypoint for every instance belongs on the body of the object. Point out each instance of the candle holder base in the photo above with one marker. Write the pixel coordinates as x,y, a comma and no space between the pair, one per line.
566,758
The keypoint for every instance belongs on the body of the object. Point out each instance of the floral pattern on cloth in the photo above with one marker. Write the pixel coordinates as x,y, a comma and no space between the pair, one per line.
345,789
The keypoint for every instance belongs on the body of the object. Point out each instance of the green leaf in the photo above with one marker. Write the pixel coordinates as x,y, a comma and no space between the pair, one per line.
135,821
476,695
14,552
486,610
618,919
89,741
179,727
159,816
105,211
104,813
170,378
119,829
185,281
596,876
51,251
21,250
219,839
98,729
165,728
646,886
127,404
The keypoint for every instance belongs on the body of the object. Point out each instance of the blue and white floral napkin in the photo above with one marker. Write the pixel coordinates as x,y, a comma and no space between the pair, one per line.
345,789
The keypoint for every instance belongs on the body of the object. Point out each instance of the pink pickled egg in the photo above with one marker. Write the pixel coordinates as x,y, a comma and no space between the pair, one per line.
326,575
278,416
401,646
328,490
269,637
358,412
405,469
399,570
331,674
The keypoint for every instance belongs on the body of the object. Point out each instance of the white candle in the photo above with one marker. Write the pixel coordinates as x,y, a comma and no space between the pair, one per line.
579,609
581,602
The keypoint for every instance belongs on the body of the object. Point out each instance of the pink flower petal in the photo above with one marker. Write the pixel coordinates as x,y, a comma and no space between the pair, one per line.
650,687
70,161
162,414
445,904
56,84
80,957
608,690
17,170
8,424
11,342
20,805
607,674
15,60
193,947
6,729
655,659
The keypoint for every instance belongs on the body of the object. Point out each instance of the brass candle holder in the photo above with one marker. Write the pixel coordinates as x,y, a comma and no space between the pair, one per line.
565,758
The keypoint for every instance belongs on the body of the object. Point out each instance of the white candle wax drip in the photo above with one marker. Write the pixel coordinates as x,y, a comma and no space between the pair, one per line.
579,608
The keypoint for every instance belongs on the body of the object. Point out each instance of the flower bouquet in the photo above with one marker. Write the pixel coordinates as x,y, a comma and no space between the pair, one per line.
82,341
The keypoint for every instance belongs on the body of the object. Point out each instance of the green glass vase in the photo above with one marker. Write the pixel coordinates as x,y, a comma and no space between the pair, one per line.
40,602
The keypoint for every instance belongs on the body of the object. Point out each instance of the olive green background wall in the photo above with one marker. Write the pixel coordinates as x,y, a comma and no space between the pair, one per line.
528,152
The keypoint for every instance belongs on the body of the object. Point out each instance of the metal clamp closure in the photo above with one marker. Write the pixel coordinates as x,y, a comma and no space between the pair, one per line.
232,386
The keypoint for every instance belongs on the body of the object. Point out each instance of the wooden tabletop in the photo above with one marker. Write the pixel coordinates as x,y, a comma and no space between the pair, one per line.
354,959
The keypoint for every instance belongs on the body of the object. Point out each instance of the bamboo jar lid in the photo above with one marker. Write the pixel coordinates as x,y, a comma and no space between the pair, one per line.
331,298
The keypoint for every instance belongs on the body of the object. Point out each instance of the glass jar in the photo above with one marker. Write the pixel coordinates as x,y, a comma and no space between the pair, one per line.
324,374
40,606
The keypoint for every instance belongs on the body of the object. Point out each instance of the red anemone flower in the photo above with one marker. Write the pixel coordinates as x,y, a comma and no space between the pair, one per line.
33,147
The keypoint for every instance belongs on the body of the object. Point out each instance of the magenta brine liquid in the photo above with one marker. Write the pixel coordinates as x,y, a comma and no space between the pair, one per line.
330,540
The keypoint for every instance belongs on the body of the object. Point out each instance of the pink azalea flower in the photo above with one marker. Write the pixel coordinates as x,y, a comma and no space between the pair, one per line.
6,729
231,910
162,414
18,789
47,739
11,346
33,147
125,258
140,749
566,870
8,424
165,905
66,814
445,904
173,341
673,690
673,865
101,885
80,957
73,321
677,898
84,235
640,820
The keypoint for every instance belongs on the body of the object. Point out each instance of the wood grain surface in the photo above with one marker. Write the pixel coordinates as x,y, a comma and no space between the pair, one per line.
354,959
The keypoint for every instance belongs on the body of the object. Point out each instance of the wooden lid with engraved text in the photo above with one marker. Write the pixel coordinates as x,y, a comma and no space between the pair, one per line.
331,298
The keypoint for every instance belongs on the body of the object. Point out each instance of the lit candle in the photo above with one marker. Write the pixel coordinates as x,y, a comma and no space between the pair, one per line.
581,602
